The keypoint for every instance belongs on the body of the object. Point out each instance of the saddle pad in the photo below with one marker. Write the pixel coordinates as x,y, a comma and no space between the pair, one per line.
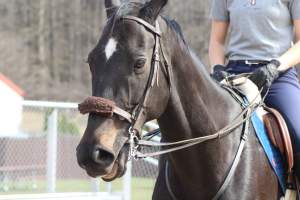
273,154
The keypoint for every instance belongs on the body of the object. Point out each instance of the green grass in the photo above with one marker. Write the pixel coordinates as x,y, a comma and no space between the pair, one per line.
141,187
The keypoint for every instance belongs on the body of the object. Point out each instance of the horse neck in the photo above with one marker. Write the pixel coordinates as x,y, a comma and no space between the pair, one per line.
197,104
197,107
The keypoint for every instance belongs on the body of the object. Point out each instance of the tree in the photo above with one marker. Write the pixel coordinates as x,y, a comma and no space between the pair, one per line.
44,43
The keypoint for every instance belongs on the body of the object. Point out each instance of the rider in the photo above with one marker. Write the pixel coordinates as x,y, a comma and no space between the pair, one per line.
257,36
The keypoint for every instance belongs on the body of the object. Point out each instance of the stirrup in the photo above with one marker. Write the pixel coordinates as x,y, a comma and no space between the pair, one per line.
292,191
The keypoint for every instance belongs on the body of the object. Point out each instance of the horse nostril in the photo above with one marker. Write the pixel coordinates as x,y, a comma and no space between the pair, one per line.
102,156
82,158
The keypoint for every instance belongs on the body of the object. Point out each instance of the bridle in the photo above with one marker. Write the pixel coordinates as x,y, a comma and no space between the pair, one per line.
107,108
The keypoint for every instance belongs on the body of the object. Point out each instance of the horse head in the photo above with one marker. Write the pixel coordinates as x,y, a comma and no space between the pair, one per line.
120,65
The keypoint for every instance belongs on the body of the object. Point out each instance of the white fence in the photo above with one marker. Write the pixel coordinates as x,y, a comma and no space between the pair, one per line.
53,129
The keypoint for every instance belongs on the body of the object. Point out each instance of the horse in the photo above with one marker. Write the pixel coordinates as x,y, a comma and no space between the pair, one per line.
183,98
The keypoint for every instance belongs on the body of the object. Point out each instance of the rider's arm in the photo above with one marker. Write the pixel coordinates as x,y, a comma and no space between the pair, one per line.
292,56
217,42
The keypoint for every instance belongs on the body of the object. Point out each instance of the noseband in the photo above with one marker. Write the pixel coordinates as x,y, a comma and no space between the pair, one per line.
102,107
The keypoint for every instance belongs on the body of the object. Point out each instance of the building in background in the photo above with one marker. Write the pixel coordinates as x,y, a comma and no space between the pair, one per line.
11,97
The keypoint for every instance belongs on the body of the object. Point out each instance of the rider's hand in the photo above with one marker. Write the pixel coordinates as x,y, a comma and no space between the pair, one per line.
219,73
264,76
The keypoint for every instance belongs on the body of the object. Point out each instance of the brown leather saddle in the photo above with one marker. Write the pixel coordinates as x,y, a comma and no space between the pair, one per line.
279,135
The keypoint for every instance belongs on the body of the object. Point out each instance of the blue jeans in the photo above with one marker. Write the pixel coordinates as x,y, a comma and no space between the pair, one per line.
284,96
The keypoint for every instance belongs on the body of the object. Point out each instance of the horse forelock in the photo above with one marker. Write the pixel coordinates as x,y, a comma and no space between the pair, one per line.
126,8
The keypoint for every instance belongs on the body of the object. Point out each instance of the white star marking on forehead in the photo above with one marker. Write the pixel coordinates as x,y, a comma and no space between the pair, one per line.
110,48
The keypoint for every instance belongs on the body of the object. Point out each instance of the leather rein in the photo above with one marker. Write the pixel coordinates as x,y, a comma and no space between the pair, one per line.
107,108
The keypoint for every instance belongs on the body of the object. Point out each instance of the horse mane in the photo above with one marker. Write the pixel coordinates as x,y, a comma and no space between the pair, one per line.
173,24
176,28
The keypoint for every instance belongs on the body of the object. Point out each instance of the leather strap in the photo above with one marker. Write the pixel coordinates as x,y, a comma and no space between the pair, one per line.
144,23
153,77
173,196
236,159
191,142
126,115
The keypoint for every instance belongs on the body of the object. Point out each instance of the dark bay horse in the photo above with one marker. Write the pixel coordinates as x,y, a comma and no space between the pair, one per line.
184,99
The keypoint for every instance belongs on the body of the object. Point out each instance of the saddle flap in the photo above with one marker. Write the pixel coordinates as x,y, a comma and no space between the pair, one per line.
273,131
279,134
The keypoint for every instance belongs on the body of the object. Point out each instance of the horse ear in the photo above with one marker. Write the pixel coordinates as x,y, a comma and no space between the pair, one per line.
111,7
151,9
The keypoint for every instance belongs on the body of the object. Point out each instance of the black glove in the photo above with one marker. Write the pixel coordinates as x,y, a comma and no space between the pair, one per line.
219,73
264,76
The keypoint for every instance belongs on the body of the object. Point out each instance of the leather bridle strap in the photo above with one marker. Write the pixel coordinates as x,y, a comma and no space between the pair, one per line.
147,25
173,196
153,77
237,158
122,113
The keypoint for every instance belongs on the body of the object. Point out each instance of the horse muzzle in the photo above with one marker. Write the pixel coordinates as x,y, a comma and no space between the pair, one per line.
103,150
99,161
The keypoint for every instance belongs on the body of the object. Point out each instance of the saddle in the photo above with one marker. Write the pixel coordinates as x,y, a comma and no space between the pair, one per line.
275,125
279,134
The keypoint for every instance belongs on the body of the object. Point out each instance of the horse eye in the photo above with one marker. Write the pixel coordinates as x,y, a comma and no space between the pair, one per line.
140,63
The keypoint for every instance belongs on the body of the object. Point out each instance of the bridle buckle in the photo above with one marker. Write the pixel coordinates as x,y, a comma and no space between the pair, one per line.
133,143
